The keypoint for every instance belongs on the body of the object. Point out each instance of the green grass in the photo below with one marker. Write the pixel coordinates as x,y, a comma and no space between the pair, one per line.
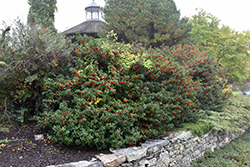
235,154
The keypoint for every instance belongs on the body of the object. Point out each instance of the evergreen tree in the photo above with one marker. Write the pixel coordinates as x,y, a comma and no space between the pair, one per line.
150,22
42,12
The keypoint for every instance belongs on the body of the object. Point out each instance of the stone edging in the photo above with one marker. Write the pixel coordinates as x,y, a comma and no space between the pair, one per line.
177,149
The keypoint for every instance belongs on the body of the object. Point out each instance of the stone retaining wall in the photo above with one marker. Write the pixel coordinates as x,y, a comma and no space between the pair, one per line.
177,149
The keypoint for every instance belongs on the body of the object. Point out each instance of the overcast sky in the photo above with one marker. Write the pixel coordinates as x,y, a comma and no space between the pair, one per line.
235,14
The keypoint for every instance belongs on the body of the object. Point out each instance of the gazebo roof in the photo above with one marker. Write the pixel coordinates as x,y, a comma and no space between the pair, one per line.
92,25
87,27
92,4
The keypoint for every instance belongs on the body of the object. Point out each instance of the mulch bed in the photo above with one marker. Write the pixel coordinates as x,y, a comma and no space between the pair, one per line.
18,148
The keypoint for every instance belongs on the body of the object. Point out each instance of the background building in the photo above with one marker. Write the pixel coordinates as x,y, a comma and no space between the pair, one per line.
91,26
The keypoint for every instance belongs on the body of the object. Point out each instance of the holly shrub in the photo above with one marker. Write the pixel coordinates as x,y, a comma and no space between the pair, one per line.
206,73
118,95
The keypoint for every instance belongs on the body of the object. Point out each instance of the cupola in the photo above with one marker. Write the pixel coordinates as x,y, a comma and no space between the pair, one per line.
93,24
92,11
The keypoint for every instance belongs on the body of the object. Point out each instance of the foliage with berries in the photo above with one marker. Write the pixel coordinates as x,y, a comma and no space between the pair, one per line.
206,73
119,95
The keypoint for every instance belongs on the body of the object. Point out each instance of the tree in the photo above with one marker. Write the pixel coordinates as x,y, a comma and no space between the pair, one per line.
229,47
150,22
41,12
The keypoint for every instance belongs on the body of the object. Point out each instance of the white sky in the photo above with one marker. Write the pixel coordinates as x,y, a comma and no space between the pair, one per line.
235,14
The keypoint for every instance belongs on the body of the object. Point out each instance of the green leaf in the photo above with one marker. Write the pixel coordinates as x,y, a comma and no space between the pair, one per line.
2,63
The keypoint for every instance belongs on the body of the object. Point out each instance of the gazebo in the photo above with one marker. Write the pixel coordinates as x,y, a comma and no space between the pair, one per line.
91,26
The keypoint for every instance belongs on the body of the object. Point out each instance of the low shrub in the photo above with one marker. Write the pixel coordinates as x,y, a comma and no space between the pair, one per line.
118,95
233,116
199,128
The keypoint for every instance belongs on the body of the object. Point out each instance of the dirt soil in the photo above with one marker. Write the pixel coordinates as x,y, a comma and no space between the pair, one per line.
18,148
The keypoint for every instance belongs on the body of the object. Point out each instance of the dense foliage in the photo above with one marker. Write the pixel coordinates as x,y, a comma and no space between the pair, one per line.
30,56
206,73
146,21
228,47
118,95
42,13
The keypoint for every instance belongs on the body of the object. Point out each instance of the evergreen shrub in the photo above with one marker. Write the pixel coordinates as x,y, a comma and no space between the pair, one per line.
206,73
118,96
